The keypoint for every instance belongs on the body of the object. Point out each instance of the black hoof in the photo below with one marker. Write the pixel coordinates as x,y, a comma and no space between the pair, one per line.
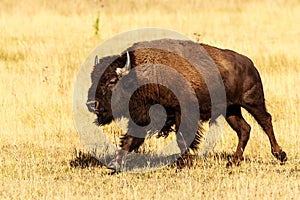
234,162
114,165
181,163
281,156
229,164
185,161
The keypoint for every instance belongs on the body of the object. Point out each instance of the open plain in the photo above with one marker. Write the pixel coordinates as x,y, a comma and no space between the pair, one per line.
42,47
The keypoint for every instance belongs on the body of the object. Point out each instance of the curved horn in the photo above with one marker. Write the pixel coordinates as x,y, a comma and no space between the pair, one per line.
127,65
125,70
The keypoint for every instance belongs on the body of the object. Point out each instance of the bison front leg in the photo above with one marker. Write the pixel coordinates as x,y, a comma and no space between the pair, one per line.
186,139
182,142
129,143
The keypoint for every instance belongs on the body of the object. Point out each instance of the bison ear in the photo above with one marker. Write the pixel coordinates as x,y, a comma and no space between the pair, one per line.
125,70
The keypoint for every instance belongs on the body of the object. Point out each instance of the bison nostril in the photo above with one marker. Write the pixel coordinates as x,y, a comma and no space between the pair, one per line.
92,105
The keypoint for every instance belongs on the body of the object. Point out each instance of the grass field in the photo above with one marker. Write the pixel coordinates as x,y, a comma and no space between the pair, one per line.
44,43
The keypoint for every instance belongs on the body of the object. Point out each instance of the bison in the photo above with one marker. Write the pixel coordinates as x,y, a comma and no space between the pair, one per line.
239,79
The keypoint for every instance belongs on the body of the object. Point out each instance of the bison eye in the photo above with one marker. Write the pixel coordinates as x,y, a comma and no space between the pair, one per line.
113,81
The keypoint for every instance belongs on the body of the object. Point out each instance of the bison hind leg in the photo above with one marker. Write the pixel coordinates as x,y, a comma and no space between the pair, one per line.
264,119
242,128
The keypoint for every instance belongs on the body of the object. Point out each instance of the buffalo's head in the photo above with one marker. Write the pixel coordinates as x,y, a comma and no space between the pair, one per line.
112,68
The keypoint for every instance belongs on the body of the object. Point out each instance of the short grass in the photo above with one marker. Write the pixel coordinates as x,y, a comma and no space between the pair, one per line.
44,43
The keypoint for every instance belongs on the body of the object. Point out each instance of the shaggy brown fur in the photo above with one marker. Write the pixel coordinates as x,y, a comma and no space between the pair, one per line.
241,80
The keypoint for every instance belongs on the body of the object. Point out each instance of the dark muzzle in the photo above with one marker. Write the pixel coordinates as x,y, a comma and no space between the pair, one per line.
93,106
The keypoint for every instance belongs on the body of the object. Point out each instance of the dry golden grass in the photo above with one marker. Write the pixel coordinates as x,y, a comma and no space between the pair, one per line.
44,43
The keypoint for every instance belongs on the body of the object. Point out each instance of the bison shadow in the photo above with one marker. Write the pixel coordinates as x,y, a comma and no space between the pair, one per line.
86,160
